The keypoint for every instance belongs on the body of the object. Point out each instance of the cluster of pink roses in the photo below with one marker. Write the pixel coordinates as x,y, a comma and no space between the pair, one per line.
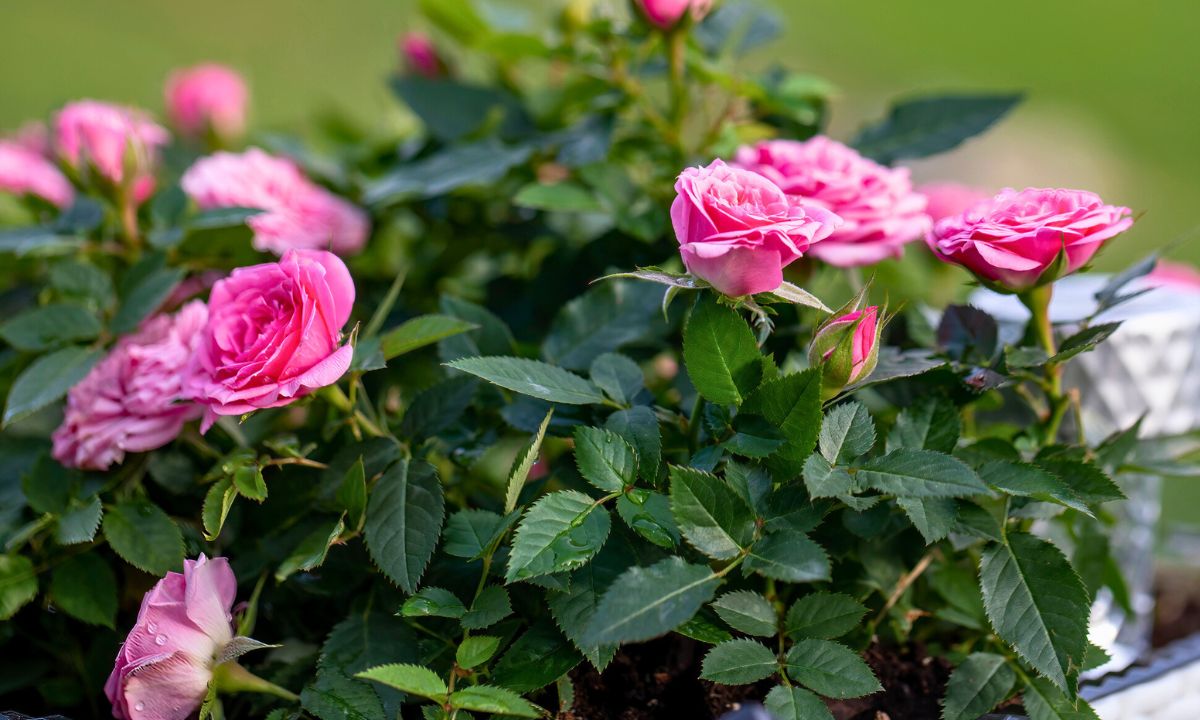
268,335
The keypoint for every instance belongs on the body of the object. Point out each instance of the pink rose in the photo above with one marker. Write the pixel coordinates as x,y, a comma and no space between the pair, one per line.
948,198
1011,241
1174,275
132,400
206,98
738,230
846,347
26,172
273,334
299,214
664,14
879,210
106,139
165,664
420,55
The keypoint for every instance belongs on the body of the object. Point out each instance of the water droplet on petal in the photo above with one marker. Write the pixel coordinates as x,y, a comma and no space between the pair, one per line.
140,706
152,627
160,640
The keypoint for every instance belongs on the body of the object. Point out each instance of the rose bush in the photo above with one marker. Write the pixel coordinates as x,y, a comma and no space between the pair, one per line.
579,357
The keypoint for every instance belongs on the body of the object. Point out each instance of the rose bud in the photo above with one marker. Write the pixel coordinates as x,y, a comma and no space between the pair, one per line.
420,55
274,334
116,145
298,213
1020,240
665,14
948,198
846,348
24,171
737,230
880,212
207,101
132,400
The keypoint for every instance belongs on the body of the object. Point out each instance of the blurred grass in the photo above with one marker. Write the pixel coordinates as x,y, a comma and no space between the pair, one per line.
1113,87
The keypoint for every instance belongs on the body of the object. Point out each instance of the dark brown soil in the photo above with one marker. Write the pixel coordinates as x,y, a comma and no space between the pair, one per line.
1176,605
913,682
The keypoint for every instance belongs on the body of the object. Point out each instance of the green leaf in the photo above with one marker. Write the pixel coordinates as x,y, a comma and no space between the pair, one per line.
605,459
311,551
533,378
823,615
217,503
559,532
830,669
352,494
85,588
791,403
824,480
1084,479
18,584
492,338
846,433
518,474
539,657
793,703
437,408
789,556
489,608
411,679
50,325
333,695
920,473
753,437
721,355
1037,604
933,517
404,519
1025,480
433,602
639,426
602,320
457,18
649,515
144,298
48,486
84,281
476,650
468,532
494,700
249,482
738,662
619,377
929,424
477,164
47,379
558,197
1043,701
145,536
574,608
703,628
1084,340
977,686
926,126
710,514
747,611
80,521
799,296
419,332
643,603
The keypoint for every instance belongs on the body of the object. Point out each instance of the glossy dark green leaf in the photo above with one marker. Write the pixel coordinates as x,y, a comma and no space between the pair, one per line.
977,686
145,536
824,615
539,657
709,514
643,603
847,432
721,355
532,377
49,326
793,404
604,319
85,587
558,533
926,126
738,662
404,520
47,379
789,556
920,473
831,669
747,611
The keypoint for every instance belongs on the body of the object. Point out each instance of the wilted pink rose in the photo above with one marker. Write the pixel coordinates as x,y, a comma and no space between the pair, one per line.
299,214
879,210
273,334
420,55
847,346
948,198
92,136
164,666
738,230
1010,241
132,400
206,98
666,13
25,172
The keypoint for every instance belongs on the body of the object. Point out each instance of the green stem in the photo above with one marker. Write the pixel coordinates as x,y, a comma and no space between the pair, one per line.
695,420
231,677
338,399
676,50
1038,302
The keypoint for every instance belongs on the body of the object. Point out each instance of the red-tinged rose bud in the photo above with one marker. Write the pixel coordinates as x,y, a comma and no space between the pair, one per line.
420,55
846,348
666,14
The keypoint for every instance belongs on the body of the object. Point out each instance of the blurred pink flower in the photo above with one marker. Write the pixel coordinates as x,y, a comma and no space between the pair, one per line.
164,666
664,14
879,210
420,54
109,139
26,172
1180,276
131,401
948,198
208,97
299,214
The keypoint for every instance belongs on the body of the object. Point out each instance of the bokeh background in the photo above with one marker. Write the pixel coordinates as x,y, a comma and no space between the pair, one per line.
1113,87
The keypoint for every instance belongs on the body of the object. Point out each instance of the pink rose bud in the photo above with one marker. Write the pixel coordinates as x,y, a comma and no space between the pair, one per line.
665,14
207,98
846,348
26,172
737,230
118,145
274,334
299,214
1020,240
880,212
164,667
947,198
132,400
1174,275
420,55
